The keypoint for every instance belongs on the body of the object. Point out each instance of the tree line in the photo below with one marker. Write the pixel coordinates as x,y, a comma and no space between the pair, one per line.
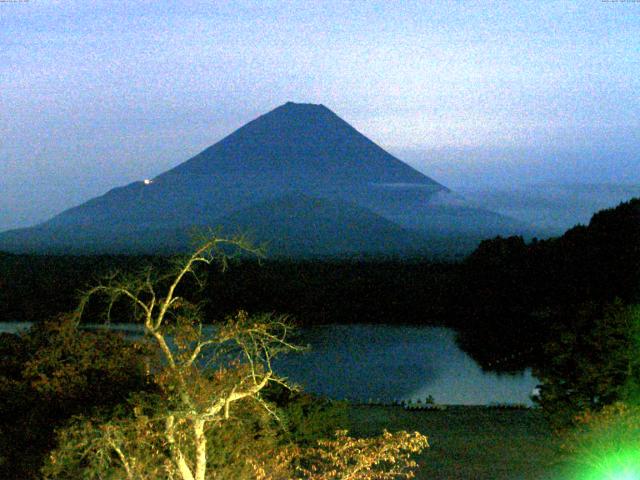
514,304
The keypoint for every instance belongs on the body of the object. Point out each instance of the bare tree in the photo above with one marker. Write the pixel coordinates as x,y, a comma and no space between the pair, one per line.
204,373
240,350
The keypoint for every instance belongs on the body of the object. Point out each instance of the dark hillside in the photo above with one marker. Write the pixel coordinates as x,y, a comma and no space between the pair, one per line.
515,292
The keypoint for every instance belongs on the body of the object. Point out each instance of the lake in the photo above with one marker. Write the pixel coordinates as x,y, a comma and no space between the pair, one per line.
389,363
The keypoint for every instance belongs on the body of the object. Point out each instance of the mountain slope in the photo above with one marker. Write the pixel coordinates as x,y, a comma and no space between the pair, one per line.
293,225
294,149
296,225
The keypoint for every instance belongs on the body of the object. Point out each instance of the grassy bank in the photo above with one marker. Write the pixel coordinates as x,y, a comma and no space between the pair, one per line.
471,442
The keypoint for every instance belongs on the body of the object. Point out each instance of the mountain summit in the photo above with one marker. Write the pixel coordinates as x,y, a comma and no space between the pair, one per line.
299,165
302,143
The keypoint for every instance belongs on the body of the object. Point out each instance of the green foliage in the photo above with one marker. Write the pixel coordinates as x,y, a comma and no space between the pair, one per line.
305,418
511,293
300,420
252,433
33,287
592,361
604,444
37,287
55,371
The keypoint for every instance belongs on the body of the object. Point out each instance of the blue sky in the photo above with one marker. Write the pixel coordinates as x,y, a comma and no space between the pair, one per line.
98,94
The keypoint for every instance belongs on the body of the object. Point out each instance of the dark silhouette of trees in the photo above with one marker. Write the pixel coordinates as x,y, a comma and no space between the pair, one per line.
592,361
55,371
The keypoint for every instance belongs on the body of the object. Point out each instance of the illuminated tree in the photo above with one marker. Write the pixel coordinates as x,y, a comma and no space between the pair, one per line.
210,385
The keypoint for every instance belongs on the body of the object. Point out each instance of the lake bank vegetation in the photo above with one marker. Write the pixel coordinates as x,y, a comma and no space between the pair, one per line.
503,299
565,307
181,402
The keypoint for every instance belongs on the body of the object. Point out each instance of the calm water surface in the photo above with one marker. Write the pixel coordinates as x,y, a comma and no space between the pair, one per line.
363,362
387,363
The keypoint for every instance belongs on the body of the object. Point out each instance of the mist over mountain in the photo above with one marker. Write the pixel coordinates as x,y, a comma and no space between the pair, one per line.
552,208
490,168
303,178
549,186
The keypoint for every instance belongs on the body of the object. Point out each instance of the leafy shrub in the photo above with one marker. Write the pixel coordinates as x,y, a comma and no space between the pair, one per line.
592,361
605,444
306,418
55,371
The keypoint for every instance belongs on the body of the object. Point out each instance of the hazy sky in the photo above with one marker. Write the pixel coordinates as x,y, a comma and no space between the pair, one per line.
95,94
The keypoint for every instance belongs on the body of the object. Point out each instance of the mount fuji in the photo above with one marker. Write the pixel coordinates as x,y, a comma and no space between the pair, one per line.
298,177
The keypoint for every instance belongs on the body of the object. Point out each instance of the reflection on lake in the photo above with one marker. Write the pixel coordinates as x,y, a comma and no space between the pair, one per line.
387,363
362,362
